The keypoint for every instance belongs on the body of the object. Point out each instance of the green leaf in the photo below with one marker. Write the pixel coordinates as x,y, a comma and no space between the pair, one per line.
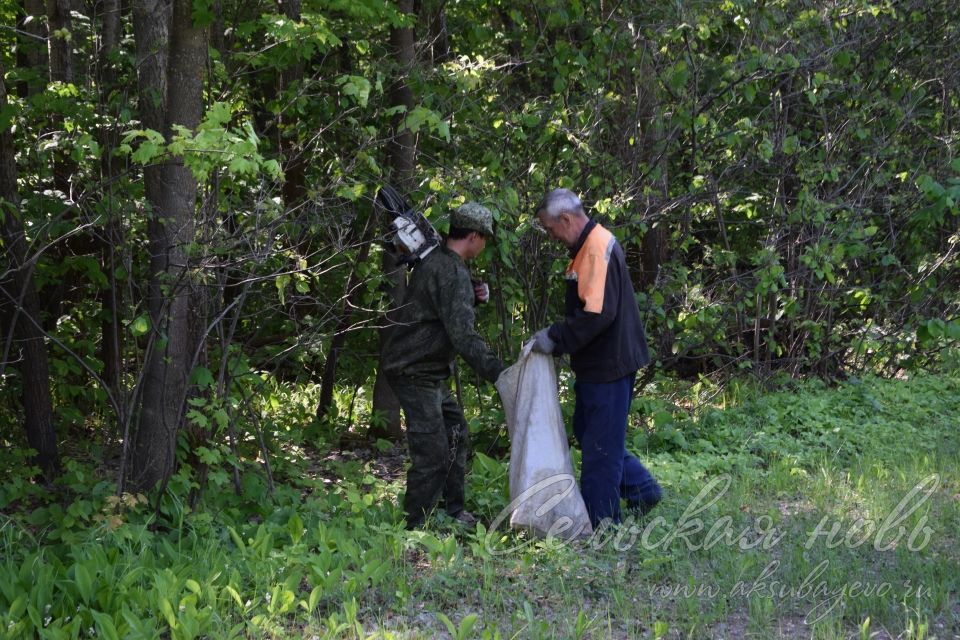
352,192
240,166
448,623
167,610
356,87
105,626
237,540
766,149
953,330
512,199
202,14
791,144
930,186
219,114
233,594
414,120
842,59
221,418
7,114
466,625
18,608
314,599
936,327
679,76
146,152
443,130
140,325
202,377
84,582
662,418
295,528
828,273
281,283
272,167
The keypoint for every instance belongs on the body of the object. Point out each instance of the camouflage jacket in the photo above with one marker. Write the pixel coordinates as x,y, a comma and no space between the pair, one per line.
435,324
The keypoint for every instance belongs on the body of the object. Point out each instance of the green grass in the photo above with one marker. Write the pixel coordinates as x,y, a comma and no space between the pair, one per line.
327,557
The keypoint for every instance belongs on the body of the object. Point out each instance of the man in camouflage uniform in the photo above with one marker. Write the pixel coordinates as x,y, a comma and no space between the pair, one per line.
434,325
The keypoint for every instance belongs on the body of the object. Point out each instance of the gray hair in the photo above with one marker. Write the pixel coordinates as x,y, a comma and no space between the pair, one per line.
560,201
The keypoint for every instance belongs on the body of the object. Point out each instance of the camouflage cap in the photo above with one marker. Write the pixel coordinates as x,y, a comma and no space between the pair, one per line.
473,216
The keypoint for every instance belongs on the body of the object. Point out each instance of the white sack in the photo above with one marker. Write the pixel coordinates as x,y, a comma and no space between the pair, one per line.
544,497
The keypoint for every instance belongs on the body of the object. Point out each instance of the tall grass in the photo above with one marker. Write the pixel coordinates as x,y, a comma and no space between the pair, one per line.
836,515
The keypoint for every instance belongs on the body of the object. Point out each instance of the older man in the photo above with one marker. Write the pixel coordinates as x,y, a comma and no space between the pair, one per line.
603,333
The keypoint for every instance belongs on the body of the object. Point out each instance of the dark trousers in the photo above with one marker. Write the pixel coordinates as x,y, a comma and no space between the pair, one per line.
438,441
608,472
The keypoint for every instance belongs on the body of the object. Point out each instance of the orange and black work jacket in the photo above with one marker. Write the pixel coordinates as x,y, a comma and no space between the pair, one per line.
602,330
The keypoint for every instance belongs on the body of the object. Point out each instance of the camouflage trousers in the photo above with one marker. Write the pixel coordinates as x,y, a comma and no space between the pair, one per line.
438,441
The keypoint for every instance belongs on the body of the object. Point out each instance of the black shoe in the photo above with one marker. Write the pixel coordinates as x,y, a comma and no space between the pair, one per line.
465,517
640,509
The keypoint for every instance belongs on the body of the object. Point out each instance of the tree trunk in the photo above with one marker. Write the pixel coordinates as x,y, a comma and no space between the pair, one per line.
60,46
20,296
649,156
31,48
60,26
385,402
217,37
402,153
111,332
294,162
402,147
151,26
340,337
170,232
435,15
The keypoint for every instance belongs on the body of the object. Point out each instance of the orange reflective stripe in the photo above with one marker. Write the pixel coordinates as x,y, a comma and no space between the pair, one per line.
589,268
